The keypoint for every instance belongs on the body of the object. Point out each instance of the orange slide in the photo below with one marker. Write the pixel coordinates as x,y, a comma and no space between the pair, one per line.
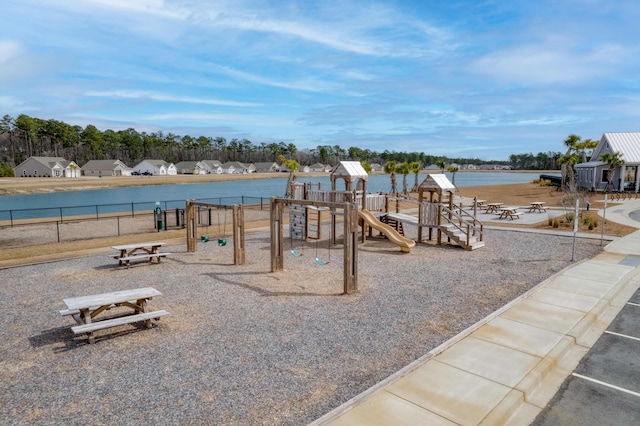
405,244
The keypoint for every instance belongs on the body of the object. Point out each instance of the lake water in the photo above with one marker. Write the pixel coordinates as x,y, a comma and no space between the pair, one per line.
172,196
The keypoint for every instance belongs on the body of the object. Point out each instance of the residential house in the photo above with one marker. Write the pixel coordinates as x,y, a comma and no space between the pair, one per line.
593,174
237,167
101,168
191,168
267,167
319,167
156,167
47,167
212,166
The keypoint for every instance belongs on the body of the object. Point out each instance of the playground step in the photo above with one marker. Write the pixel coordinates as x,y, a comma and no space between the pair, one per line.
460,238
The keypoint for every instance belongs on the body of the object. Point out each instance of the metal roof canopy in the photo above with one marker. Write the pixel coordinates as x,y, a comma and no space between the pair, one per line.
350,171
435,183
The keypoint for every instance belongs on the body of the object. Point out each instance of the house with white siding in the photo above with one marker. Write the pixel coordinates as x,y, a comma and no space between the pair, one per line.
212,166
267,167
47,167
593,175
101,168
191,168
156,167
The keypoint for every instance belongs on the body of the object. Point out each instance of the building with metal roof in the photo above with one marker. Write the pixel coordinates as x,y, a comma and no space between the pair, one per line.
593,174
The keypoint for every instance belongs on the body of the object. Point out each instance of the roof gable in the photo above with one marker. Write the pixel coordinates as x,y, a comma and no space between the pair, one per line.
627,143
350,169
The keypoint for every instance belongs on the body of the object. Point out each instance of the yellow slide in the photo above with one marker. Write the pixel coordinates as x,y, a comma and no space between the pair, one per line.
405,244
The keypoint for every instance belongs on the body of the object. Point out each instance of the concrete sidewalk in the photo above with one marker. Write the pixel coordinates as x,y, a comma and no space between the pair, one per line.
505,369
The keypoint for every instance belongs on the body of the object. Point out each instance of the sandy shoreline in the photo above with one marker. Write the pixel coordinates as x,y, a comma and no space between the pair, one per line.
19,186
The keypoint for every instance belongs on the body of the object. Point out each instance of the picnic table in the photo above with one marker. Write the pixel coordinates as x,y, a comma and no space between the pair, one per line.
493,207
85,309
509,212
147,251
537,206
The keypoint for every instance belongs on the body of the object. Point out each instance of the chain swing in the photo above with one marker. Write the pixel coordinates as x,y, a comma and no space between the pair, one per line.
222,240
320,261
203,237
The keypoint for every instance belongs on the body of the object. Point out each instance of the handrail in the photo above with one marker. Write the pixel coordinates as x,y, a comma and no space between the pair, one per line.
450,215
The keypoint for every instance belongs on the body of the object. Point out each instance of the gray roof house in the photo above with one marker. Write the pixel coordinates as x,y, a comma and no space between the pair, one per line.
106,168
191,168
267,167
47,167
212,166
593,175
156,167
237,167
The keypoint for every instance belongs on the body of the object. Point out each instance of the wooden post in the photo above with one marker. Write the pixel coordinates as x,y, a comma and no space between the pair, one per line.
350,254
277,251
191,226
238,235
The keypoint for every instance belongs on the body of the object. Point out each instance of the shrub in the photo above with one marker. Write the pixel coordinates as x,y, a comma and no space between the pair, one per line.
556,223
6,170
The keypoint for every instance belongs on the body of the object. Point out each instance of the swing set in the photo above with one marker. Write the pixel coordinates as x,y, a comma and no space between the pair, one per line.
297,230
194,220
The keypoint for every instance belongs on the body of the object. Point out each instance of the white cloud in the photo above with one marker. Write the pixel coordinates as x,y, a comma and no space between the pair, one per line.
134,94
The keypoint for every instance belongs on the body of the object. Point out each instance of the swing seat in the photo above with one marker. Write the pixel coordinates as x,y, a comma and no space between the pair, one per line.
320,262
222,242
295,253
204,238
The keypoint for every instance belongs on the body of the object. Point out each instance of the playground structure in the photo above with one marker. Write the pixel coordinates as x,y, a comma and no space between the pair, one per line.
387,213
350,236
194,211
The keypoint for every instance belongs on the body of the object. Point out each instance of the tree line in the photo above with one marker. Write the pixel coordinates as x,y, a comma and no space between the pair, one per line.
24,136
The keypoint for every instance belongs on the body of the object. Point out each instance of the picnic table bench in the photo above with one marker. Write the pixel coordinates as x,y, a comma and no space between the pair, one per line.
84,309
537,206
493,207
509,212
146,251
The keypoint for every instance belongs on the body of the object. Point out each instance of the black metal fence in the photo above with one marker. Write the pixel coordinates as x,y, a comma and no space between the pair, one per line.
13,217
68,224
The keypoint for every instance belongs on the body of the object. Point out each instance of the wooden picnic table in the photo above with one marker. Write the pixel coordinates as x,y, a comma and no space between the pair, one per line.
493,207
509,212
148,251
537,206
85,309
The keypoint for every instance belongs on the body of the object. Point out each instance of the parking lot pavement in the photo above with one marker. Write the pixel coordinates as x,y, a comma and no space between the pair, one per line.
605,387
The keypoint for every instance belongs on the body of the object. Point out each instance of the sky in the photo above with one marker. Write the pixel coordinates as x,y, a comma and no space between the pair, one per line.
473,79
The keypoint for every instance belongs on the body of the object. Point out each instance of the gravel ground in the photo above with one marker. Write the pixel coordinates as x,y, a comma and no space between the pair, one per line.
243,345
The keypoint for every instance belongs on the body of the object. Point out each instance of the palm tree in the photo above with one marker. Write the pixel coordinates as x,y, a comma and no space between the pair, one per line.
568,174
613,160
414,167
391,167
453,170
292,166
404,169
440,162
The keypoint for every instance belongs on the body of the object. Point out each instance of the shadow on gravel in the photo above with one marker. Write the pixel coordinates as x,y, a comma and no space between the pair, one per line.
261,290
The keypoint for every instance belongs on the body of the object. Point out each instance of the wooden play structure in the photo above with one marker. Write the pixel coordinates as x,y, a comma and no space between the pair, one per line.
193,213
436,212
350,235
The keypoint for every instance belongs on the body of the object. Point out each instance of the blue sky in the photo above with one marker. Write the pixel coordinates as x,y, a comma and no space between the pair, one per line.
475,78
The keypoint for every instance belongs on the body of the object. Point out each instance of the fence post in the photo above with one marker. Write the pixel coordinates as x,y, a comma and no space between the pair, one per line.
58,230
118,217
